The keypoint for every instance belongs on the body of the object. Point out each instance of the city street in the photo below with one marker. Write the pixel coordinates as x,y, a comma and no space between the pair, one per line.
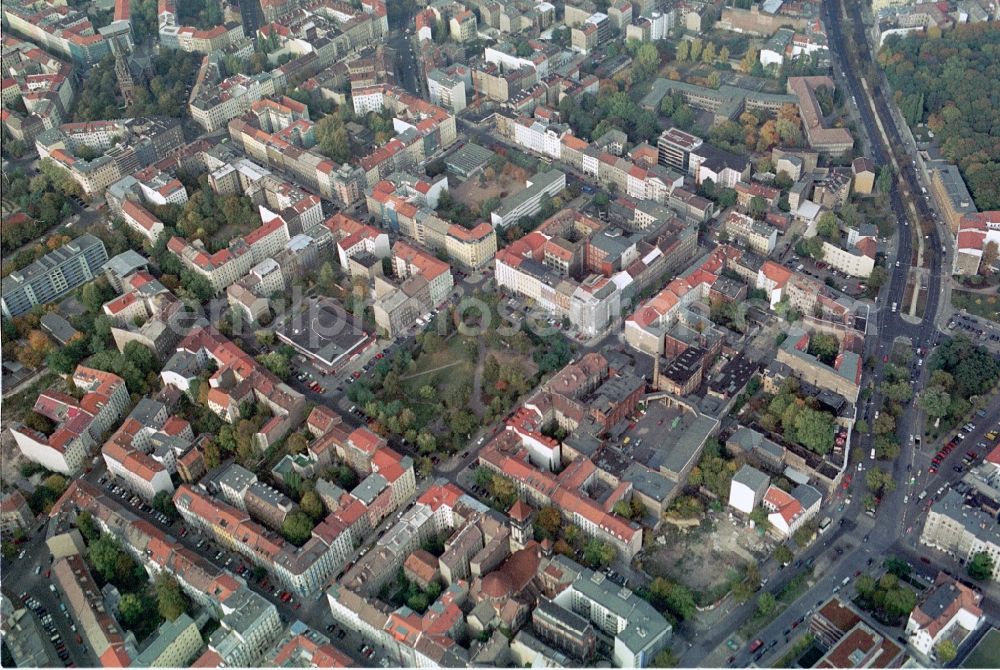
897,523
407,68
19,577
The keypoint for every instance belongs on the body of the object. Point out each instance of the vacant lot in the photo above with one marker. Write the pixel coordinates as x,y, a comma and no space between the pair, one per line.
474,192
707,562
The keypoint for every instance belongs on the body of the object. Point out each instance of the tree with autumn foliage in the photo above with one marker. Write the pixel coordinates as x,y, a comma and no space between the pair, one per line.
548,522
768,135
33,353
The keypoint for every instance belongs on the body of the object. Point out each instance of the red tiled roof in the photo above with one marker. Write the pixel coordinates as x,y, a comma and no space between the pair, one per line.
262,231
994,456
438,495
519,511
140,215
115,656
482,231
776,273
365,440
783,503
209,659
423,564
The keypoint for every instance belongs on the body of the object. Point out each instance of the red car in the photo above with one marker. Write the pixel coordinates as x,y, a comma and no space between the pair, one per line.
379,356
932,470
755,645
357,375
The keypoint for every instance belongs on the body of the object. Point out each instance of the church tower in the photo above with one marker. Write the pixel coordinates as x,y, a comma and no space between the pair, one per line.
522,529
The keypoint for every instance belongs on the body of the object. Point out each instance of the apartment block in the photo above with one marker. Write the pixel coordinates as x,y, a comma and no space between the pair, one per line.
174,644
142,221
408,261
249,626
448,87
945,610
638,630
147,313
528,201
820,138
14,512
474,248
238,378
63,30
759,236
217,105
975,233
961,530
53,275
300,569
41,82
79,424
951,193
843,376
564,629
84,602
144,450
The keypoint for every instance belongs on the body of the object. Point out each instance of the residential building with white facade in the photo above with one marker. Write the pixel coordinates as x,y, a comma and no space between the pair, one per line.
638,630
528,202
249,626
945,608
759,236
79,424
448,87
747,489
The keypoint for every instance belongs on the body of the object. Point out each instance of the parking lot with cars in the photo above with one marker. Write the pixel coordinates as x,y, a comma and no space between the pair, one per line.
973,327
833,278
49,625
